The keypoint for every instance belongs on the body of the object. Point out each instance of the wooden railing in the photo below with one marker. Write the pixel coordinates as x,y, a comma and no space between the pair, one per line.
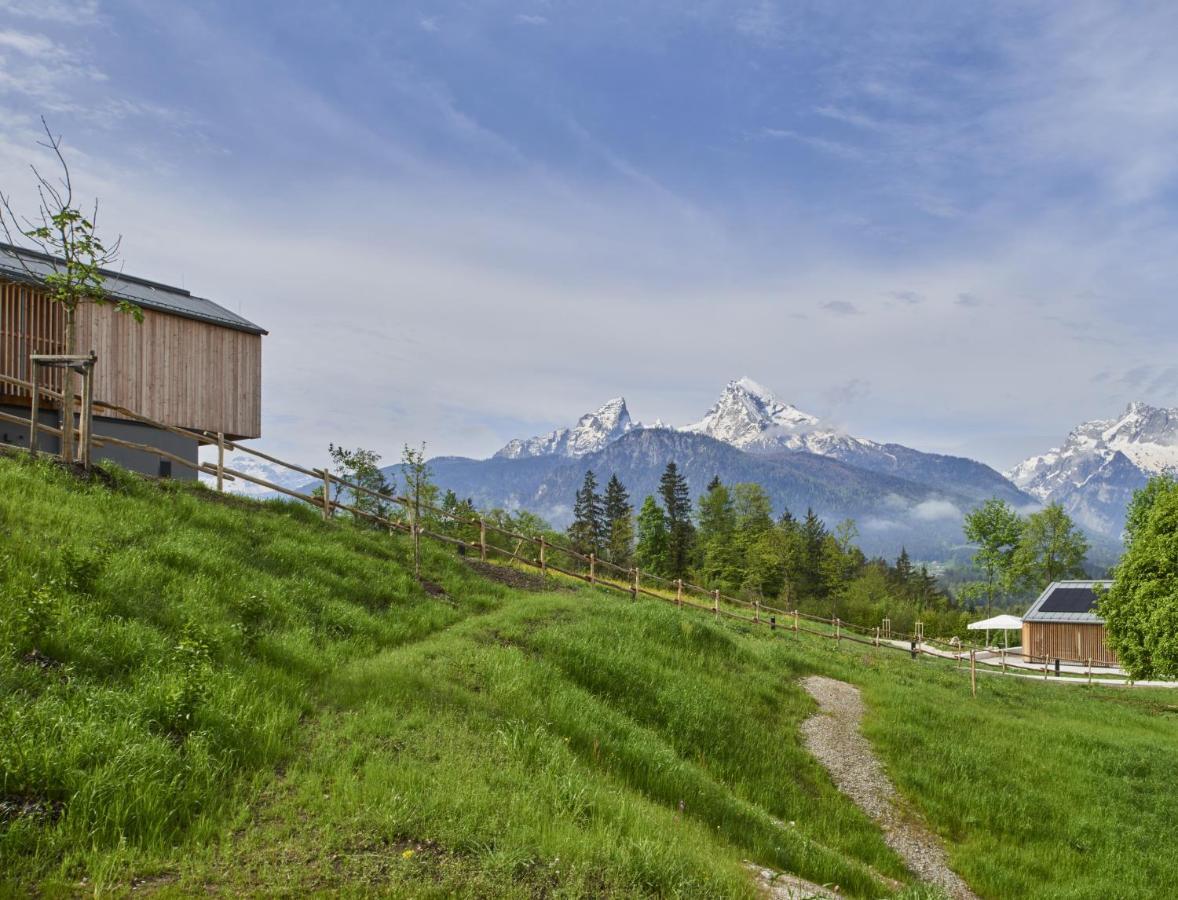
587,568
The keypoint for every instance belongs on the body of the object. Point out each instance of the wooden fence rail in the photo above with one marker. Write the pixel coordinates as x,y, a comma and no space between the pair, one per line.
598,572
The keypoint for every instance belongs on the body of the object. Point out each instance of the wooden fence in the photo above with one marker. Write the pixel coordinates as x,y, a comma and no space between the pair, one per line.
547,556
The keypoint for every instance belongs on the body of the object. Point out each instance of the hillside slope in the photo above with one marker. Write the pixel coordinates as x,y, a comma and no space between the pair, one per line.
200,694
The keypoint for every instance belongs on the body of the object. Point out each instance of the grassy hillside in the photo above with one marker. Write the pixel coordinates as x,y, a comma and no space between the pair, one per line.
200,693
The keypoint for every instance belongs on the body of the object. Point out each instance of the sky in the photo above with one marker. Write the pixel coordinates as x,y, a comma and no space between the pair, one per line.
950,225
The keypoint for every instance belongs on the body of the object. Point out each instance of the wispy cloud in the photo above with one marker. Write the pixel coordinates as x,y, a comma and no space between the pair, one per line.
841,308
66,12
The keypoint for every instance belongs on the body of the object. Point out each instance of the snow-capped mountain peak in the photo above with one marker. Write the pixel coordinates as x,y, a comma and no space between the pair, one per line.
592,432
750,415
1095,471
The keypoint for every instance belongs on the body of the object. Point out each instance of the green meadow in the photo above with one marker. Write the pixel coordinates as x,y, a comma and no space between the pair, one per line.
207,694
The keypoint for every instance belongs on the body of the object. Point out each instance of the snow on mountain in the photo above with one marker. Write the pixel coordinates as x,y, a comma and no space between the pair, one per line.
1095,471
592,432
259,468
750,417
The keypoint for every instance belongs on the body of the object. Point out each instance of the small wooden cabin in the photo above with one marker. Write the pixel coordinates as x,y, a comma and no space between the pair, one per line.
1063,624
189,363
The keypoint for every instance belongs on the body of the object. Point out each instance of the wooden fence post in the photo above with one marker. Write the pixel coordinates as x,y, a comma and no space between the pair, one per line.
973,673
87,417
877,635
543,558
593,568
797,631
678,591
838,631
634,583
1002,652
326,495
35,417
1044,668
220,461
482,540
716,601
757,611
1089,670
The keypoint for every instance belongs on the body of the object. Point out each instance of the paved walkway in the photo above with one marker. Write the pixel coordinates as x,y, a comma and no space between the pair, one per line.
990,663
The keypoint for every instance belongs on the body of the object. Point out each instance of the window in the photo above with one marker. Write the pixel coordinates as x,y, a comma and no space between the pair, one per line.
165,468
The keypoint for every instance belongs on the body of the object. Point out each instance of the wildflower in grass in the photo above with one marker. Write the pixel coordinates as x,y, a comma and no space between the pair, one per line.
407,854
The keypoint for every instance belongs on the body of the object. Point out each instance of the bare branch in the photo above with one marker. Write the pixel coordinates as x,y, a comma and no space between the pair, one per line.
55,145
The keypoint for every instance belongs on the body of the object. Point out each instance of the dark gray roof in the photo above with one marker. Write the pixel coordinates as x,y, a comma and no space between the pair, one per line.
1067,601
148,294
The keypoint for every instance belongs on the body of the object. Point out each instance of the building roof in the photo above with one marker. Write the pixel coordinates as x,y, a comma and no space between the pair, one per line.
1067,601
149,294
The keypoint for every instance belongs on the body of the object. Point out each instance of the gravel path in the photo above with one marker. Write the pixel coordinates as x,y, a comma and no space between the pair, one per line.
833,737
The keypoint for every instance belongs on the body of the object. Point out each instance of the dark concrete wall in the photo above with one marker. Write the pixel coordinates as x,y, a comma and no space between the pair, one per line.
147,463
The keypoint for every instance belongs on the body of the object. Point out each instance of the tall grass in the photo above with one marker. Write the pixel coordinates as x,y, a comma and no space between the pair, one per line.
218,694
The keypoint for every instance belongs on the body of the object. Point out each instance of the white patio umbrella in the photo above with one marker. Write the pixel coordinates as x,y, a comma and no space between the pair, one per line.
1005,624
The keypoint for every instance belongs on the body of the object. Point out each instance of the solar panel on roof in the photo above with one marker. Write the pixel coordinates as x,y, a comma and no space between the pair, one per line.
1069,600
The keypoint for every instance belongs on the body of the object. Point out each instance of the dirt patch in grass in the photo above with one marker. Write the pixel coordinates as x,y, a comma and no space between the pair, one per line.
432,588
13,808
513,578
40,660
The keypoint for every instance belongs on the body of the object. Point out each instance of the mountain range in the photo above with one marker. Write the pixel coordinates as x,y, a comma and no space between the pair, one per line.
898,496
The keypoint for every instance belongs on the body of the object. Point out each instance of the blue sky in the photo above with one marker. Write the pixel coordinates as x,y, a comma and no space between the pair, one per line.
946,224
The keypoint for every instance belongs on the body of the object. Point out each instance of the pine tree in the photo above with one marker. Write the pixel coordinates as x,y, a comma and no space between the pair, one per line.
811,579
677,512
719,555
902,574
588,529
619,524
651,551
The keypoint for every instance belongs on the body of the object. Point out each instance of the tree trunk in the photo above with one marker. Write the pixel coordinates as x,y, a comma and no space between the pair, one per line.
67,389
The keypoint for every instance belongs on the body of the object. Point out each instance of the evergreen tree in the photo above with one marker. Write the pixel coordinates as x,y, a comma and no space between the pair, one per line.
811,575
619,524
719,556
652,548
588,529
677,512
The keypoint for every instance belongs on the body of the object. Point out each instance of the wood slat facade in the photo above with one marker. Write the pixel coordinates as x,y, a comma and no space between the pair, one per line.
1067,641
180,371
29,323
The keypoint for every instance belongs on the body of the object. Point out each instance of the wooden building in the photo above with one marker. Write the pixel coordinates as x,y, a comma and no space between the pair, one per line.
189,363
1063,624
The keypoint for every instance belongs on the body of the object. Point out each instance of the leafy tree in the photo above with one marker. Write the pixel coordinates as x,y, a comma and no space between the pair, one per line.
652,551
996,529
77,258
677,512
422,493
588,529
362,468
1050,548
458,516
1141,608
619,523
